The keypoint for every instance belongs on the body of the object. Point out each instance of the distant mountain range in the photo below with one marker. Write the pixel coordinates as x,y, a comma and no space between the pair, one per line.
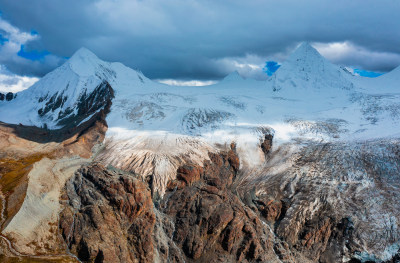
313,152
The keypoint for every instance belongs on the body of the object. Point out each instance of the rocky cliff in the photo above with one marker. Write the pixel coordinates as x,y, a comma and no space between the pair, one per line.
209,213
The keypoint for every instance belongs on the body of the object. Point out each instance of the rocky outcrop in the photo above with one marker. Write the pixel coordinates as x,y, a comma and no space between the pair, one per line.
210,213
266,144
87,104
7,97
109,217
211,223
269,207
326,200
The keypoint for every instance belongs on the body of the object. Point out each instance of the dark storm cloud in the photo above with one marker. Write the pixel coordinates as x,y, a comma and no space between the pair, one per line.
208,39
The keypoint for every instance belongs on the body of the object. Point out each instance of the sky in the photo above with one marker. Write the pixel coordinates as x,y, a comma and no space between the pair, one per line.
196,41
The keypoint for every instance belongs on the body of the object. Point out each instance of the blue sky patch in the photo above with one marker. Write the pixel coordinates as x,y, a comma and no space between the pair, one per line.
365,73
3,39
270,67
33,54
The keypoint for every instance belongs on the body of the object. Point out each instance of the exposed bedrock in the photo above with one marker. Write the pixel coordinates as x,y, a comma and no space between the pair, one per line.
211,223
331,202
7,97
109,216
266,144
31,177
211,213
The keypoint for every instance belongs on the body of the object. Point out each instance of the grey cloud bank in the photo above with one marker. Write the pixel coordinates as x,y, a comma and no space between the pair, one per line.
202,40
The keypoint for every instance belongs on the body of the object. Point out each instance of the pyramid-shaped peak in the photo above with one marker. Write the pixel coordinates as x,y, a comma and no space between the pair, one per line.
84,62
306,58
305,46
233,76
305,52
307,68
84,54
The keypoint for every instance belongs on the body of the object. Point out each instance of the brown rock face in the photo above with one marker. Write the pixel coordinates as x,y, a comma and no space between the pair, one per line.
211,223
269,207
222,168
189,173
110,217
267,143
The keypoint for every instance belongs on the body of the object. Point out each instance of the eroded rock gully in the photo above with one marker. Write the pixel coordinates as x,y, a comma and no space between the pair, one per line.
110,216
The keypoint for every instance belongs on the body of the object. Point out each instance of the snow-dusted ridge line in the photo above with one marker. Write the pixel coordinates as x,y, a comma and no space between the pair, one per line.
306,78
307,97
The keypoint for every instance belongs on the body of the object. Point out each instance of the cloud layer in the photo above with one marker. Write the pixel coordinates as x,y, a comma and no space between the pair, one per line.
204,39
16,59
10,82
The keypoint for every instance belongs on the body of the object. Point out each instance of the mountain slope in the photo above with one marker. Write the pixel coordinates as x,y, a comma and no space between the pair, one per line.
392,77
386,83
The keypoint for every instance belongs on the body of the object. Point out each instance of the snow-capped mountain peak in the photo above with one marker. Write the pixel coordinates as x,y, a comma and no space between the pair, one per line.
307,62
85,63
305,53
234,76
305,68
83,53
64,97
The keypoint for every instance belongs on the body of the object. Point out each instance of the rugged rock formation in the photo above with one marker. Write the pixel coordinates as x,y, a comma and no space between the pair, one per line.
31,176
110,217
295,210
266,145
206,215
331,201
211,223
